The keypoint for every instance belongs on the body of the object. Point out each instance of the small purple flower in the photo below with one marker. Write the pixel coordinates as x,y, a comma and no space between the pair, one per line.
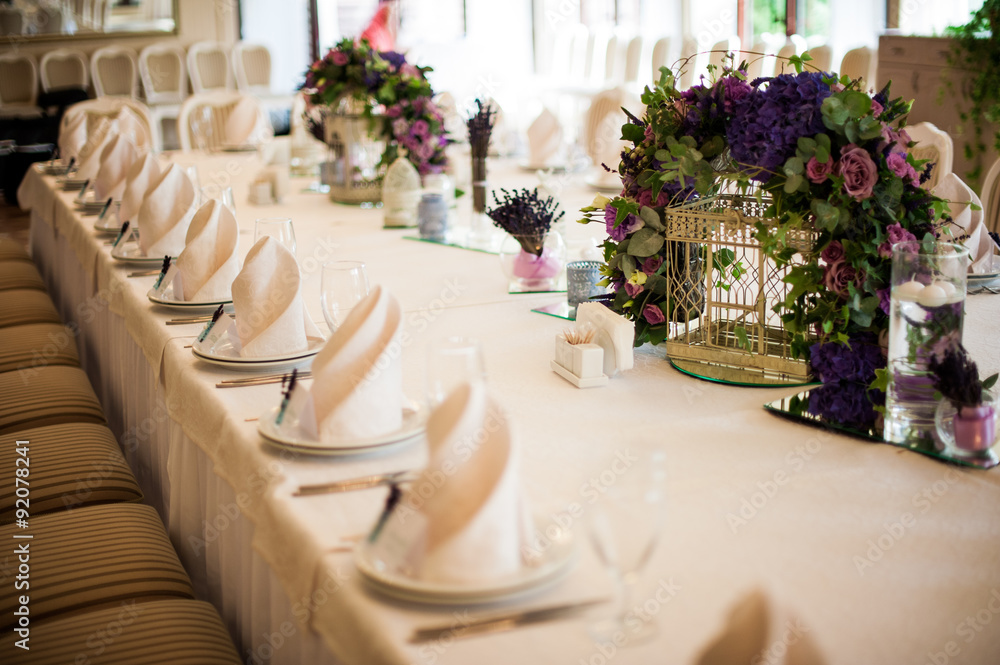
877,108
734,90
629,225
633,289
859,171
895,233
895,141
652,264
897,163
846,403
855,361
339,58
833,252
817,172
400,127
653,314
884,299
420,128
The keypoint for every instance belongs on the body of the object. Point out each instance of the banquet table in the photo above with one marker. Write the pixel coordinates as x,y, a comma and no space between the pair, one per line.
884,555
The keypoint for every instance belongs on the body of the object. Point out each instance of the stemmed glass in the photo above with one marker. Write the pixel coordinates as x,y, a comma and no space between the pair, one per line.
344,285
279,228
451,362
224,195
625,528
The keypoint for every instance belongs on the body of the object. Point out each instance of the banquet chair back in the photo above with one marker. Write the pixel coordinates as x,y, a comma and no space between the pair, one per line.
115,72
633,60
991,198
202,119
108,107
579,43
208,66
50,20
252,66
163,73
822,58
860,63
935,145
597,56
12,21
720,52
794,45
759,65
64,68
689,52
19,84
661,51
601,126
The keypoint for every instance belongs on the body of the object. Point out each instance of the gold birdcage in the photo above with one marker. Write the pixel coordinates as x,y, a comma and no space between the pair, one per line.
721,293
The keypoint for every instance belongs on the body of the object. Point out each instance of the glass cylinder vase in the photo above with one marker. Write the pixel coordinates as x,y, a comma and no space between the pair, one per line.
534,263
927,303
355,168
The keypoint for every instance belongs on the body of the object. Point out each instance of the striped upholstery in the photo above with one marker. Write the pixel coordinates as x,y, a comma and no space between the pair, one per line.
71,466
165,72
162,632
93,556
220,116
65,73
21,306
20,275
17,85
11,250
213,69
36,345
47,396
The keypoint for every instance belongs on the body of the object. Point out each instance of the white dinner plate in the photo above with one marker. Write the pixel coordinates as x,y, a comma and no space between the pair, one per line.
167,299
977,279
70,184
108,226
413,426
553,565
131,252
525,165
601,185
56,168
224,354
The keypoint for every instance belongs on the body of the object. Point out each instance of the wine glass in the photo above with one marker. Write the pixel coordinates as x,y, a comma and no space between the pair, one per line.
344,285
625,528
279,228
224,195
451,362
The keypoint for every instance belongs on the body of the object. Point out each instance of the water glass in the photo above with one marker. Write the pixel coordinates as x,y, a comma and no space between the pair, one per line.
926,313
581,281
279,228
344,285
224,196
452,362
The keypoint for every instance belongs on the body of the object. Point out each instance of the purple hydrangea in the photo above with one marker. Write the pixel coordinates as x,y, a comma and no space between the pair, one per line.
846,403
855,361
768,123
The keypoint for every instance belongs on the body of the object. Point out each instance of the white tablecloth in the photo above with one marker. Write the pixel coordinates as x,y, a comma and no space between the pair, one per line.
886,555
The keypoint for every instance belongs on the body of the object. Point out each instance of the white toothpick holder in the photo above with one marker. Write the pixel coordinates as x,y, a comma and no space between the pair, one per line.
580,364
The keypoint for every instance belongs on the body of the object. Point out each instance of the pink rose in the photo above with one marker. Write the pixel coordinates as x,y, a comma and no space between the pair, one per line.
837,276
645,198
339,58
653,314
895,233
897,163
633,289
652,264
819,171
833,252
859,171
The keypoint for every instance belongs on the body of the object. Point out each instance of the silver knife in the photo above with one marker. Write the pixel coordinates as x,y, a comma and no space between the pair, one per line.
500,622
351,484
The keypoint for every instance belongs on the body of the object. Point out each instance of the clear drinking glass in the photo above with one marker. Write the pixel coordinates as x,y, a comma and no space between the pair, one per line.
224,195
625,527
344,285
450,363
927,304
201,127
279,228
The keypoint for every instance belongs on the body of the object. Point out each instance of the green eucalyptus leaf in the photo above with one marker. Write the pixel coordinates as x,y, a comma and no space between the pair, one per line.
794,166
793,183
651,218
646,242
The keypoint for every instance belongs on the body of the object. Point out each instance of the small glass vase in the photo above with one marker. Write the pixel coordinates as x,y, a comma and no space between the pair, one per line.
968,433
541,268
356,145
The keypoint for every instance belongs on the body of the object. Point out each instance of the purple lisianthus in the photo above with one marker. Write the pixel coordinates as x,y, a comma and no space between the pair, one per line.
768,123
895,233
653,314
877,108
855,361
896,161
652,264
895,141
818,171
648,134
629,225
884,299
859,171
633,289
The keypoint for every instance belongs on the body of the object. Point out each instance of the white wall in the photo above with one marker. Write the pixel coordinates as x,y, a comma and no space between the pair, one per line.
284,28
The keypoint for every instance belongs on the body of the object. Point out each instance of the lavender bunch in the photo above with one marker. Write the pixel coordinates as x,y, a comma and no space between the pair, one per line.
315,121
481,129
525,216
956,377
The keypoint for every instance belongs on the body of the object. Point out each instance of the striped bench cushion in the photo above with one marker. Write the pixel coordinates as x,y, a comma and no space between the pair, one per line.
37,345
21,306
161,632
20,275
11,250
47,396
93,556
68,466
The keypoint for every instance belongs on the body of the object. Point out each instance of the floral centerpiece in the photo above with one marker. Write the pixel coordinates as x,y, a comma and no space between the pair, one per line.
817,154
392,95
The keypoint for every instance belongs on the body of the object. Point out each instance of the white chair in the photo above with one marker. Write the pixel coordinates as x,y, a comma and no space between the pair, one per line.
860,63
12,21
595,70
935,145
760,60
601,126
50,20
633,61
108,107
19,84
689,52
114,70
163,71
64,68
201,122
991,198
661,51
720,52
822,58
252,66
208,67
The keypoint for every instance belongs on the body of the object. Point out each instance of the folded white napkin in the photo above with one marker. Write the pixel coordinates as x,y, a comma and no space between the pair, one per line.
271,318
131,126
757,630
544,139
464,519
72,137
143,173
116,160
89,158
209,263
246,125
966,221
357,390
166,212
